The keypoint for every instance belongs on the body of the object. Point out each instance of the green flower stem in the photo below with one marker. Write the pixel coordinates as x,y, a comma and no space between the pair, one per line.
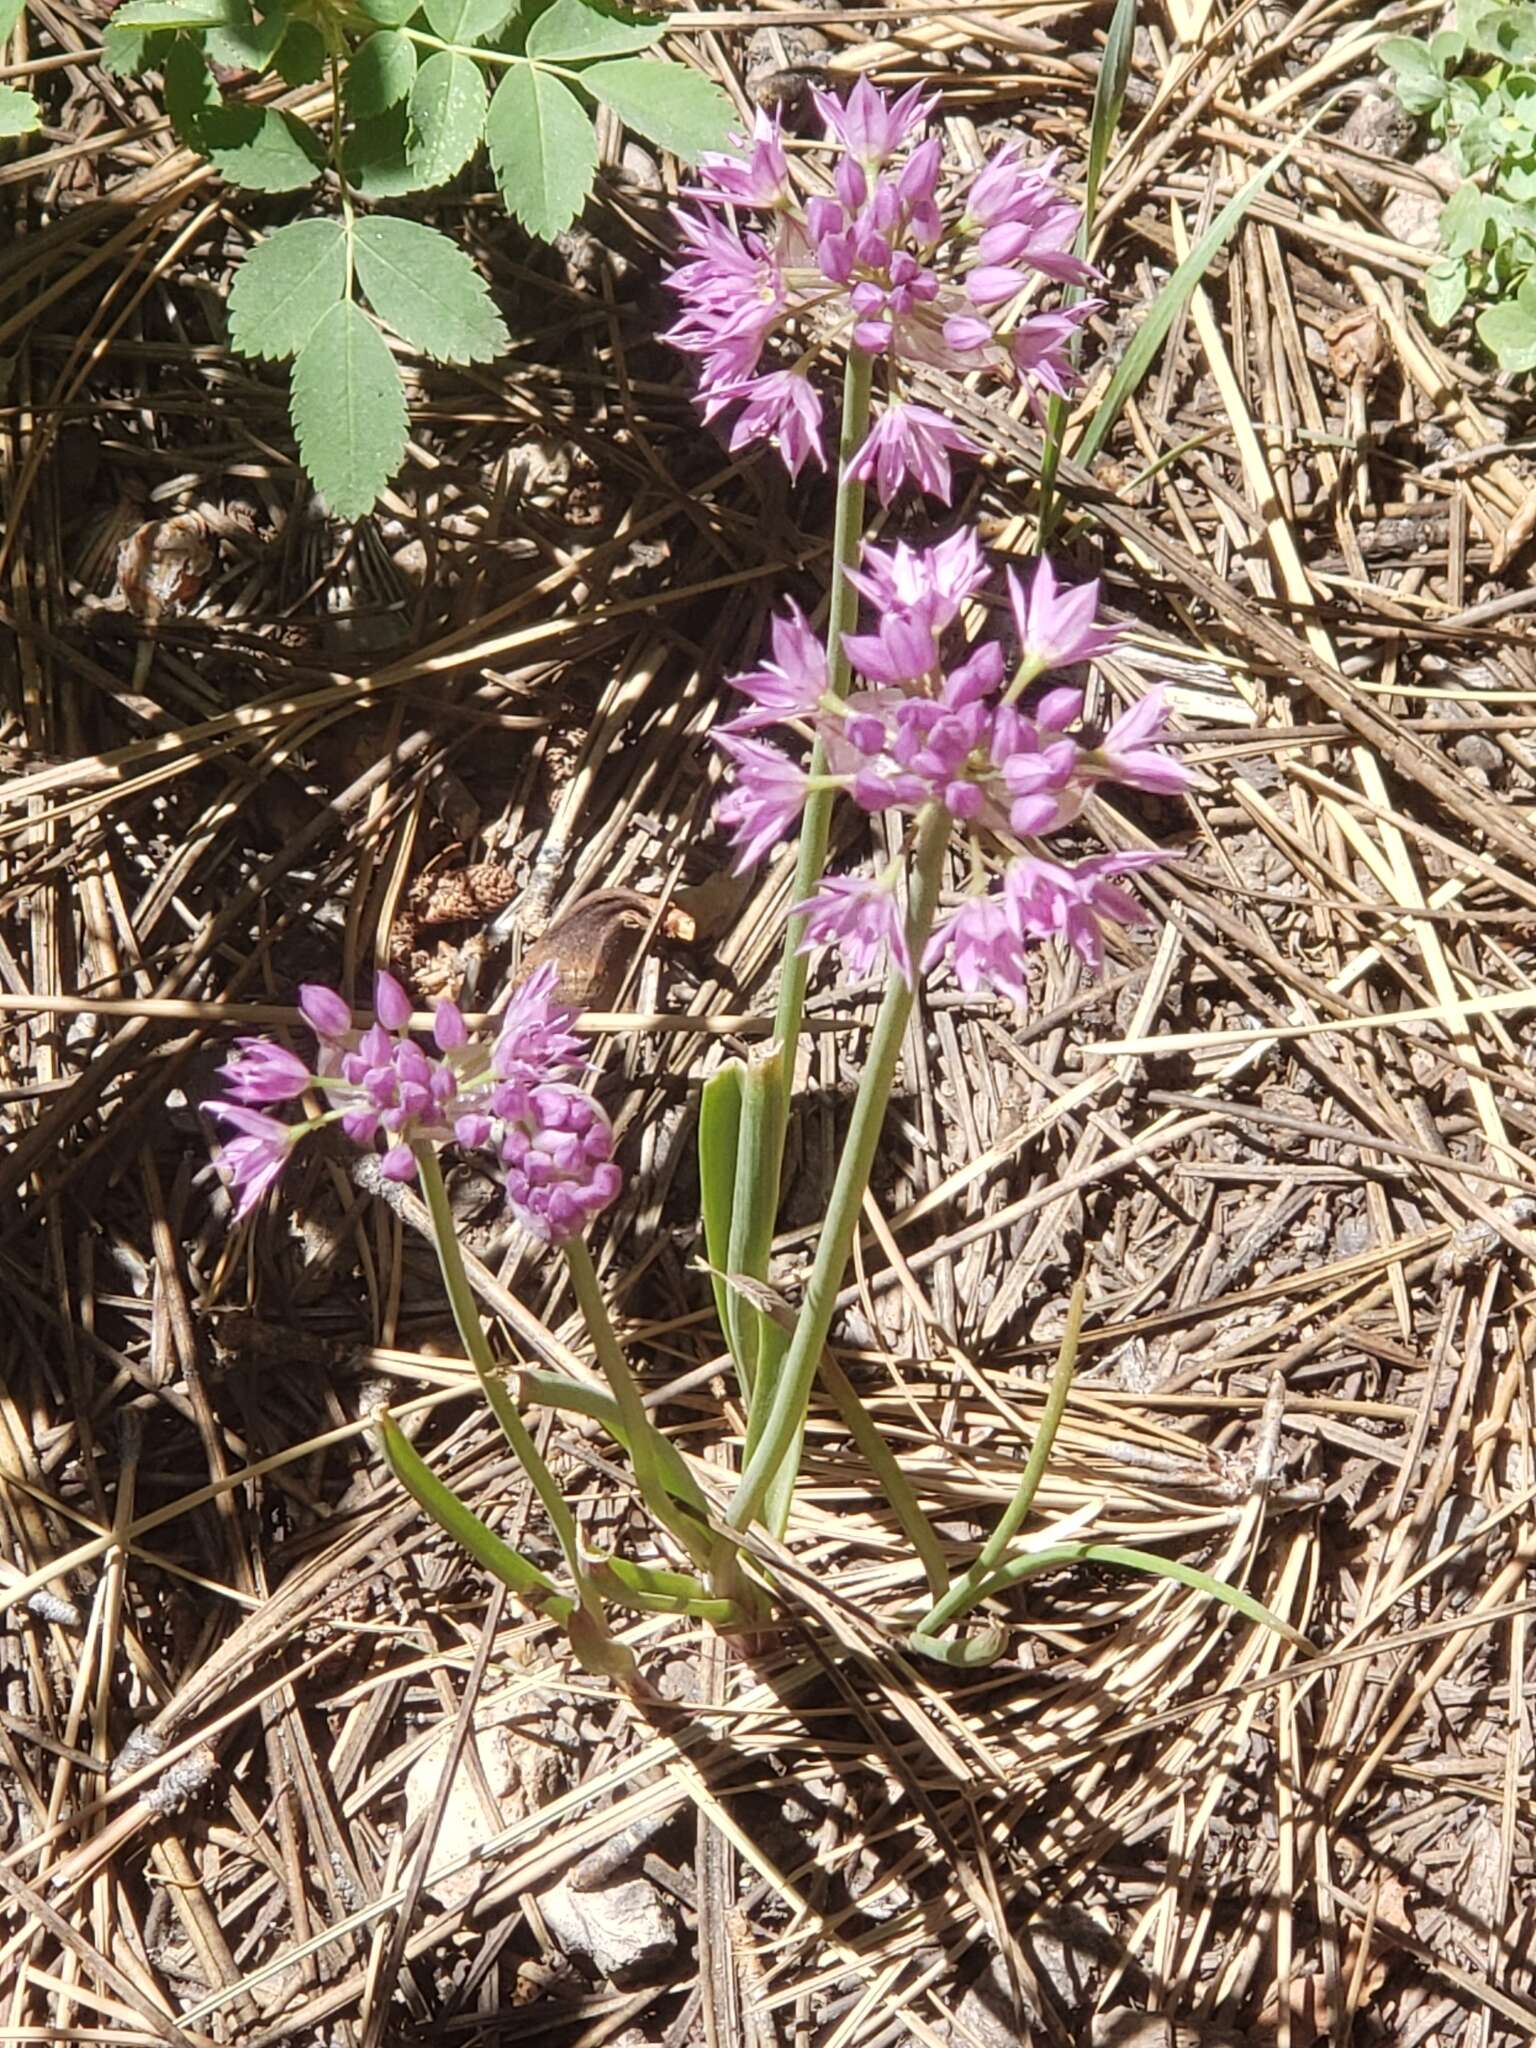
478,1349
842,614
641,1432
792,1387
966,1591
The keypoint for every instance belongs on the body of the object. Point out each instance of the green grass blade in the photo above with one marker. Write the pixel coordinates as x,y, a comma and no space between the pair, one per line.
719,1142
1147,1561
1172,299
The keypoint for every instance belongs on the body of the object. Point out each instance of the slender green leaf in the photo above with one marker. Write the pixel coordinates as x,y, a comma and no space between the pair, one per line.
719,1135
1036,1561
381,74
467,21
1173,297
447,114
576,1397
286,286
671,104
1108,99
570,32
654,1590
19,112
542,150
348,410
466,1528
962,1653
427,290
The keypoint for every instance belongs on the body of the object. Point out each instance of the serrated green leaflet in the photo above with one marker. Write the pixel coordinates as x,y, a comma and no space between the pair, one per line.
467,21
127,51
374,158
260,148
542,150
249,44
286,286
301,54
381,73
427,290
570,32
191,93
681,109
348,410
19,112
182,14
447,114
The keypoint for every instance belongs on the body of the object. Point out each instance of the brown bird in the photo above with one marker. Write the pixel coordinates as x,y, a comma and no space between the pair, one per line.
593,946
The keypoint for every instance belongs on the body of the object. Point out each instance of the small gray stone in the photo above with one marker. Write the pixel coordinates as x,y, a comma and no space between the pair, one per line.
625,1931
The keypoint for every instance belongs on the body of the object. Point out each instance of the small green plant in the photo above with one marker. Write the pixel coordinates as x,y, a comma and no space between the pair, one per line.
1475,85
406,92
19,112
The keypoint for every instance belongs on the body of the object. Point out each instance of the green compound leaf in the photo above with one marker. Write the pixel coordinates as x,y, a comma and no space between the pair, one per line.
427,290
19,112
678,108
286,286
348,410
467,21
447,115
542,149
389,13
381,73
570,32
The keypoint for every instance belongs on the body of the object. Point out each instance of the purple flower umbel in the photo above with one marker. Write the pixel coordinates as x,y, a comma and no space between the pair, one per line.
385,1089
925,727
905,259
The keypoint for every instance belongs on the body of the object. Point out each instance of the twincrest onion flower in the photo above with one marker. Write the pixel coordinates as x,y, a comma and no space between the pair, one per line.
927,727
907,259
384,1089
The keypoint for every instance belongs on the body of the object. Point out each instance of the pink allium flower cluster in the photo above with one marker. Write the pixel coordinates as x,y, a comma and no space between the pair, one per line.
382,1087
923,727
904,260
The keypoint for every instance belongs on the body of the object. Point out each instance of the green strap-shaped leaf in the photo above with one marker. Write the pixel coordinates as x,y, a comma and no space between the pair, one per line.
447,114
467,21
570,32
671,104
286,286
719,1135
348,410
466,1528
575,1397
19,112
381,73
542,150
654,1590
427,290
